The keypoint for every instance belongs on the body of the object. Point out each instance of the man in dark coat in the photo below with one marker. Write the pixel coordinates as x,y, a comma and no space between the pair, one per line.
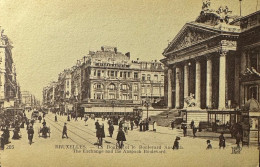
56,119
64,132
120,138
176,143
111,129
6,135
184,128
222,142
141,125
30,134
172,124
100,135
238,139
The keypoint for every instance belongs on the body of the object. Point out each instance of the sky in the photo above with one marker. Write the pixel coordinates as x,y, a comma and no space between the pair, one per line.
51,35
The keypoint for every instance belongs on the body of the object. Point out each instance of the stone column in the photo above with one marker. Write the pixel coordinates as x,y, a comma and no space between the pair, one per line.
197,88
209,83
177,89
169,88
186,82
222,81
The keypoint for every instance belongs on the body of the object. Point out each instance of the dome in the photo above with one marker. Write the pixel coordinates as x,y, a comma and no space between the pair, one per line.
252,105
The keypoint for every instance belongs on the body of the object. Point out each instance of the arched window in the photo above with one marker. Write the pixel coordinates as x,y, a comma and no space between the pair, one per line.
112,87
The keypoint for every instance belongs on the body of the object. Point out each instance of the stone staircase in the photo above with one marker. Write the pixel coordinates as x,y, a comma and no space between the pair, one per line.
162,119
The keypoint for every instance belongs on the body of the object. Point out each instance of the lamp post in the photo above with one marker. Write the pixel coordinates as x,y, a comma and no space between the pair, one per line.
146,104
113,106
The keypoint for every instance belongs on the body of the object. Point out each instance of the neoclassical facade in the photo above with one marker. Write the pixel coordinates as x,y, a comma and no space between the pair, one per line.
214,59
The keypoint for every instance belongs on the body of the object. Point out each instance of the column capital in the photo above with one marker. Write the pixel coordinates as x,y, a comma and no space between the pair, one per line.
223,52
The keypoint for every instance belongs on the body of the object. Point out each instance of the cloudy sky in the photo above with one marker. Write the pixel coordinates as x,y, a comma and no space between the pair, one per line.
50,35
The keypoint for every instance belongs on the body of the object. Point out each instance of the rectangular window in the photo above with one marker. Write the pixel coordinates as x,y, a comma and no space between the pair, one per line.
124,74
135,97
156,78
135,75
116,73
129,74
111,96
112,73
95,73
135,88
121,74
98,73
143,77
148,77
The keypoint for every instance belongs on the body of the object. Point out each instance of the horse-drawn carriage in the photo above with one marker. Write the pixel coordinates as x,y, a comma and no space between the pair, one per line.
44,131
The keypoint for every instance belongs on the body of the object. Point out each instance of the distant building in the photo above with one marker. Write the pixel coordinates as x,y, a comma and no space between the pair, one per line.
28,100
108,80
9,90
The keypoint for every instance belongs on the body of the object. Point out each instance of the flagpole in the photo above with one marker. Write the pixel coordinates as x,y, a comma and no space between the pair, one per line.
240,6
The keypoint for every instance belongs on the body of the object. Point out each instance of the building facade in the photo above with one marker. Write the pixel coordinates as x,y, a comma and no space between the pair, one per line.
109,79
9,89
213,60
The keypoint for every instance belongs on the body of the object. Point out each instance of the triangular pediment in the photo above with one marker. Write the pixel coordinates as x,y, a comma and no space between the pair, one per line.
190,34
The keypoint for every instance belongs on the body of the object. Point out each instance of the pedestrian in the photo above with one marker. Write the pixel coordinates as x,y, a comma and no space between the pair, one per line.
68,119
56,119
40,119
209,146
154,126
97,124
144,126
172,124
222,142
141,125
64,132
194,131
16,133
184,128
30,134
6,135
176,143
111,129
147,125
100,135
132,125
120,138
2,140
192,124
238,139
44,122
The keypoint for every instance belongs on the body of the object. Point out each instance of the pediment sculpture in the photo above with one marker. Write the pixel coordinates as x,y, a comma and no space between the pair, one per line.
189,38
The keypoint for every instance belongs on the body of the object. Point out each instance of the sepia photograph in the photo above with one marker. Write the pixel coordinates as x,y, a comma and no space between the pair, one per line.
137,83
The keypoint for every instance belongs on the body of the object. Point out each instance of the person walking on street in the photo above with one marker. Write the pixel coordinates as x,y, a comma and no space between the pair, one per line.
56,119
222,142
192,124
111,129
100,135
30,134
64,132
120,138
238,139
172,124
154,126
68,119
184,128
194,131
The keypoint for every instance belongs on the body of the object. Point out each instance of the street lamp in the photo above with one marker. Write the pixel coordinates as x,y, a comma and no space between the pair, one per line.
113,106
146,104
